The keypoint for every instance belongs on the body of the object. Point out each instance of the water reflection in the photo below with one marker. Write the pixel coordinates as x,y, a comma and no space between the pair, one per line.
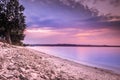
103,56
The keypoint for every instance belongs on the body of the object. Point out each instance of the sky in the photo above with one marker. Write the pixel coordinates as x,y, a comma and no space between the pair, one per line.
72,21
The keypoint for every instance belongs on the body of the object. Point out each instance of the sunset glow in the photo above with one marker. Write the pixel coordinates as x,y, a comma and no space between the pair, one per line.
68,21
78,36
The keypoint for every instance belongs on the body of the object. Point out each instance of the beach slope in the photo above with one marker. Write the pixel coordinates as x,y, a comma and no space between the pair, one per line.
20,63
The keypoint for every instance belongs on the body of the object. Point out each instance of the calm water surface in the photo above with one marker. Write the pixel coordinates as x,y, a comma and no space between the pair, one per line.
104,57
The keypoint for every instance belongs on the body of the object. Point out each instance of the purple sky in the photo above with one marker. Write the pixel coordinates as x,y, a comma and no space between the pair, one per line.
67,21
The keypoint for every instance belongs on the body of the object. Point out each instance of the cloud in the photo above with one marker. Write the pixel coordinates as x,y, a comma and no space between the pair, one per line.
68,21
67,14
112,2
98,22
72,35
57,10
46,32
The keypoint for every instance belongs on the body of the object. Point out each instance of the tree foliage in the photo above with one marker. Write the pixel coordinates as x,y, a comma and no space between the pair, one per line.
12,21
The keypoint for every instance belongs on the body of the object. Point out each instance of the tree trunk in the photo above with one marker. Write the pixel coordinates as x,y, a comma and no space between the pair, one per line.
8,38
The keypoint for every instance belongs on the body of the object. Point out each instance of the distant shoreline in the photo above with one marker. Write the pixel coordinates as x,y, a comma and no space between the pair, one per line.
71,45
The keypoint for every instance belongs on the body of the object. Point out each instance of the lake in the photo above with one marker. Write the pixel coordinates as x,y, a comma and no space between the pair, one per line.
103,57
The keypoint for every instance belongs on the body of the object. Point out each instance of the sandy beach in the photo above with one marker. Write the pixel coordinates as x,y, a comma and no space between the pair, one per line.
20,63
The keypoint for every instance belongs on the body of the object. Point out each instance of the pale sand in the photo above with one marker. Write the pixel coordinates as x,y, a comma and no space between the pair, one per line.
19,63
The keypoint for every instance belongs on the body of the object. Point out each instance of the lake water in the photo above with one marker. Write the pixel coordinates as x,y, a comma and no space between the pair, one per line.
103,57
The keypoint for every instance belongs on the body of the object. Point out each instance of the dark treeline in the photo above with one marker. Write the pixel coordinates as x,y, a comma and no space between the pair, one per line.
71,45
12,21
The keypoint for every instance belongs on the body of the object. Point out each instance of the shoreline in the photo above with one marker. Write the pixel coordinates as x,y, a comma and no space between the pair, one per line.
20,63
81,64
101,66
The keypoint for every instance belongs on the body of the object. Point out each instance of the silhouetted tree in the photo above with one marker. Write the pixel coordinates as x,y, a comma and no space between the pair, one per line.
12,21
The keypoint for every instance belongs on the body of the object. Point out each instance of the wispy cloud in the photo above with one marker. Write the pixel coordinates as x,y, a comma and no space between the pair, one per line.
68,21
72,35
66,13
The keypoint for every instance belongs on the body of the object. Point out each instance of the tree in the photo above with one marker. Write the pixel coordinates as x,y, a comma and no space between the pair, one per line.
13,20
